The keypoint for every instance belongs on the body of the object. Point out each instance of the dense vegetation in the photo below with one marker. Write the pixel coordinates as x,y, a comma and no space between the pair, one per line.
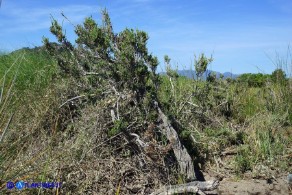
67,113
259,79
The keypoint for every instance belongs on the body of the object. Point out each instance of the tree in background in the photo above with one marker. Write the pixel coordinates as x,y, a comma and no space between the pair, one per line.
279,76
254,80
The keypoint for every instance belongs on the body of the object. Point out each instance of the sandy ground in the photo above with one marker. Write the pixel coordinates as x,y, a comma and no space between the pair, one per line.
254,187
229,186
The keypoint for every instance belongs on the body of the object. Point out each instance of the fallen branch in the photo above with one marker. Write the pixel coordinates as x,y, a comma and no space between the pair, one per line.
185,163
74,98
192,187
182,156
139,141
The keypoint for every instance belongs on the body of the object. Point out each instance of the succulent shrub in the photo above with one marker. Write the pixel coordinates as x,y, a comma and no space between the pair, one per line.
101,56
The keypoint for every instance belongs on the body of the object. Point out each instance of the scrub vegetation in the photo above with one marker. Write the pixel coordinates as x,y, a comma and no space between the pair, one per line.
80,114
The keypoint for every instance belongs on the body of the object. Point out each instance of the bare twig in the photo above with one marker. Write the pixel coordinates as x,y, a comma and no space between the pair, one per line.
118,115
67,19
113,115
217,164
193,104
91,73
194,187
184,103
225,102
194,140
71,99
139,141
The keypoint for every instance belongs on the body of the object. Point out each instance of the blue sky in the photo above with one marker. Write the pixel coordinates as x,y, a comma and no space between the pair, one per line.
243,35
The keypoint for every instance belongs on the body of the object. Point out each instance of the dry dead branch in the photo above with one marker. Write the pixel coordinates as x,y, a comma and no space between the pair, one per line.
194,187
180,152
185,163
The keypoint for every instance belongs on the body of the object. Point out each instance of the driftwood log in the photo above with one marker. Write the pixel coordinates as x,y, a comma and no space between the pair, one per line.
185,163
193,187
182,156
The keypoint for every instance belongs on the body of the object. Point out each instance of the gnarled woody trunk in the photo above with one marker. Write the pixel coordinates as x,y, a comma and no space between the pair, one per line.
180,152
184,161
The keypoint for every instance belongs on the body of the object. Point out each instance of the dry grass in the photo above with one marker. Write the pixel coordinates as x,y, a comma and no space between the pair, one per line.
228,128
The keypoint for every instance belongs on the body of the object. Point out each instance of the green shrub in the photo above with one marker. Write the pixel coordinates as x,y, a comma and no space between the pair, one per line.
119,125
201,64
102,55
254,80
279,76
243,160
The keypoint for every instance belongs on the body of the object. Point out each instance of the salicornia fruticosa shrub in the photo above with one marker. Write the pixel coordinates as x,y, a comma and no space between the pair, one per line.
103,64
100,54
118,72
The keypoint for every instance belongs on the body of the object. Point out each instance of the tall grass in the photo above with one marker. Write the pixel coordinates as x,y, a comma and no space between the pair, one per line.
219,116
26,93
6,95
35,70
214,118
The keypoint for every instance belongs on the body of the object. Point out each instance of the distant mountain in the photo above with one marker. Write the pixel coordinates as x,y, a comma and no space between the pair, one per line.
192,74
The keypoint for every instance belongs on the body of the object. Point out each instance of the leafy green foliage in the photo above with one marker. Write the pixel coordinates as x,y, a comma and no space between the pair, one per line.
103,53
254,80
119,125
243,160
169,71
201,64
278,76
211,77
117,73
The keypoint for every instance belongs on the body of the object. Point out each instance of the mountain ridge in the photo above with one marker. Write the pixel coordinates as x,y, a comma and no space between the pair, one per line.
192,74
